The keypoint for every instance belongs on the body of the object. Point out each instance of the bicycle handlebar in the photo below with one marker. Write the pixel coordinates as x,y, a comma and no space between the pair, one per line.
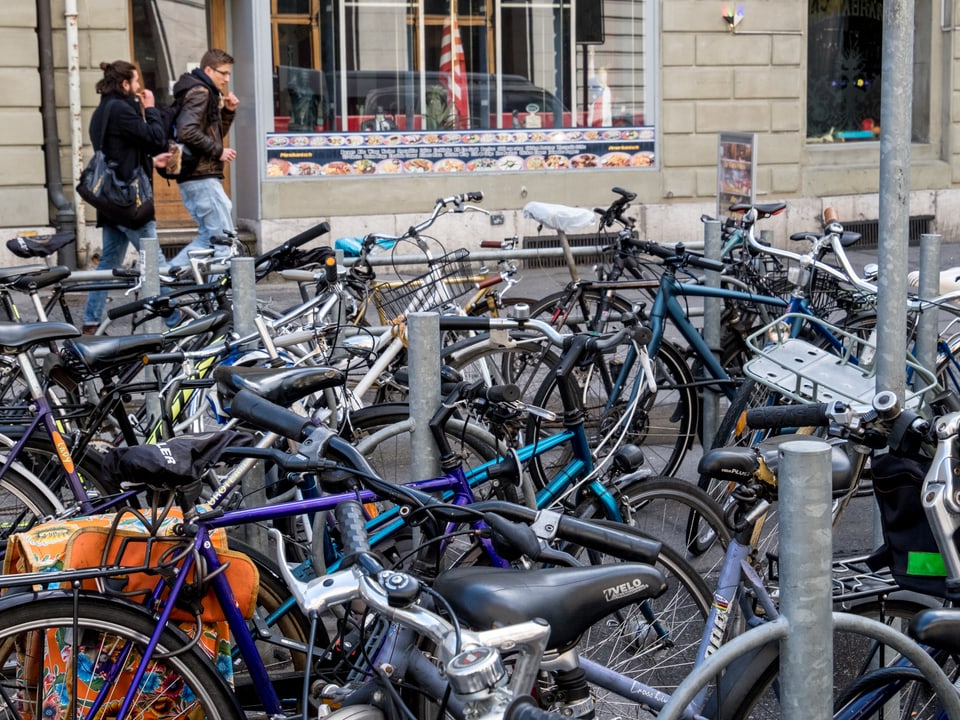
776,417
484,324
678,253
456,200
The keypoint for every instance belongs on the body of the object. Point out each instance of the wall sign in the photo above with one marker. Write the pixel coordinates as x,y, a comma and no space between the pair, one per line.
458,152
736,170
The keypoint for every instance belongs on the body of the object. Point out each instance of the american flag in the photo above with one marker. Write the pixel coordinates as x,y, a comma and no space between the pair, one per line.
453,73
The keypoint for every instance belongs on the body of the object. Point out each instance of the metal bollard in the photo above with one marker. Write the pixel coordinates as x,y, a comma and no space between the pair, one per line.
711,328
806,545
244,298
423,331
927,329
150,286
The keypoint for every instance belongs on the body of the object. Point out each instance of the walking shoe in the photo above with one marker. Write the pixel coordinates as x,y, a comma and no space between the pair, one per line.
90,329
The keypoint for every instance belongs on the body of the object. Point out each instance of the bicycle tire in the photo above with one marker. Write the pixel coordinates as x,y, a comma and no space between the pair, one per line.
663,425
29,621
752,695
23,503
628,643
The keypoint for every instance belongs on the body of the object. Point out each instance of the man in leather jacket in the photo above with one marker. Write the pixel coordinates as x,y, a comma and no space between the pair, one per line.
207,112
133,135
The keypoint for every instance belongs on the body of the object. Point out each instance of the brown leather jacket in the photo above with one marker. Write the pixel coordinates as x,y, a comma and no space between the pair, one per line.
202,123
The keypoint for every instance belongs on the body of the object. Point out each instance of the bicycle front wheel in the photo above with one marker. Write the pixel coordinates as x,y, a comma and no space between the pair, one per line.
60,660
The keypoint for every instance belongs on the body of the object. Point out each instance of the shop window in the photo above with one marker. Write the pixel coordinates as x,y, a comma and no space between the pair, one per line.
844,81
567,73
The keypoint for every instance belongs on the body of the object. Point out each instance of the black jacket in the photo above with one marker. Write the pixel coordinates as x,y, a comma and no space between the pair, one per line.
202,122
130,139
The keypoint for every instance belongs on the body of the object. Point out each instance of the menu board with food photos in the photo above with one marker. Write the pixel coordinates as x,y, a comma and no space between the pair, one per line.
736,170
379,154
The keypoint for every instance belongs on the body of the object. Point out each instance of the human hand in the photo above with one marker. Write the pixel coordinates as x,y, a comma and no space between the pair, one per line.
228,155
146,97
162,159
230,102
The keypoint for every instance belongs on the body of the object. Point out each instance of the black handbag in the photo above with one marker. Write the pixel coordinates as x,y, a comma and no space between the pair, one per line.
128,203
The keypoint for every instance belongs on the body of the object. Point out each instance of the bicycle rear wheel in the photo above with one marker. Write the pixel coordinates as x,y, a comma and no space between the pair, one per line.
44,639
663,423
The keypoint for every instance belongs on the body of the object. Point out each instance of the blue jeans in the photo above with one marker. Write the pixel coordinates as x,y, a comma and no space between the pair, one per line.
115,239
211,209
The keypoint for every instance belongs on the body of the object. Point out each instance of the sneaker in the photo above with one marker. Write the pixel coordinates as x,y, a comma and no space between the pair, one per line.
90,329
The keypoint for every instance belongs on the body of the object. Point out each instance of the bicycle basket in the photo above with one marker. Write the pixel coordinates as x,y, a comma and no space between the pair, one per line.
807,373
447,279
826,295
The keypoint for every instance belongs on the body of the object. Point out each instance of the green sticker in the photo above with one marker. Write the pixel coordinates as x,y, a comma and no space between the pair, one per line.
926,563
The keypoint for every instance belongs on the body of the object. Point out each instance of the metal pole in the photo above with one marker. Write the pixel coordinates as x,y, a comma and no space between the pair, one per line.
711,329
243,281
243,285
927,328
895,107
423,332
806,658
150,284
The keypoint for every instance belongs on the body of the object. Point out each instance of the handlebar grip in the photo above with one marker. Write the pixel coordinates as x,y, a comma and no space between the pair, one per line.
705,263
503,393
524,707
489,282
493,244
266,415
474,196
308,235
830,215
330,269
617,539
125,272
163,358
294,275
456,322
353,528
781,416
651,248
130,308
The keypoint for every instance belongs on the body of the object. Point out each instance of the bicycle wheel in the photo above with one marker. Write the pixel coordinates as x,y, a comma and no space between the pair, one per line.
23,503
655,642
663,423
44,639
755,696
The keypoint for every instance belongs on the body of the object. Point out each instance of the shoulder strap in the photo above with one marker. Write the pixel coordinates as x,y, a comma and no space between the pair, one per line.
103,124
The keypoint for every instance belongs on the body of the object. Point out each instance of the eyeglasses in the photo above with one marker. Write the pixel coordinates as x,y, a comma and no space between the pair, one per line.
225,73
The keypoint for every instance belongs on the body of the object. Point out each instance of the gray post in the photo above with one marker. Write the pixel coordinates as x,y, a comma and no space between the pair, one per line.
929,287
711,328
244,295
806,657
243,285
423,331
896,104
150,286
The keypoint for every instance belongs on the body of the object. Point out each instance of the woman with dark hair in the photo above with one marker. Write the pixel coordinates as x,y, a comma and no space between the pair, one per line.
133,134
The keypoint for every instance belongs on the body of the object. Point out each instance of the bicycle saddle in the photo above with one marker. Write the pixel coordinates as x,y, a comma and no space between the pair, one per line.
949,280
738,464
939,628
21,336
281,386
95,353
35,277
569,599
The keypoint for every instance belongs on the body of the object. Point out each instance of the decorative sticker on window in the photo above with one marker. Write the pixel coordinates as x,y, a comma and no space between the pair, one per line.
458,152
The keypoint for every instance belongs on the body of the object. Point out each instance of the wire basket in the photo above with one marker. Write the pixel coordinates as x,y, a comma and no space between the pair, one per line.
807,373
825,295
447,279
